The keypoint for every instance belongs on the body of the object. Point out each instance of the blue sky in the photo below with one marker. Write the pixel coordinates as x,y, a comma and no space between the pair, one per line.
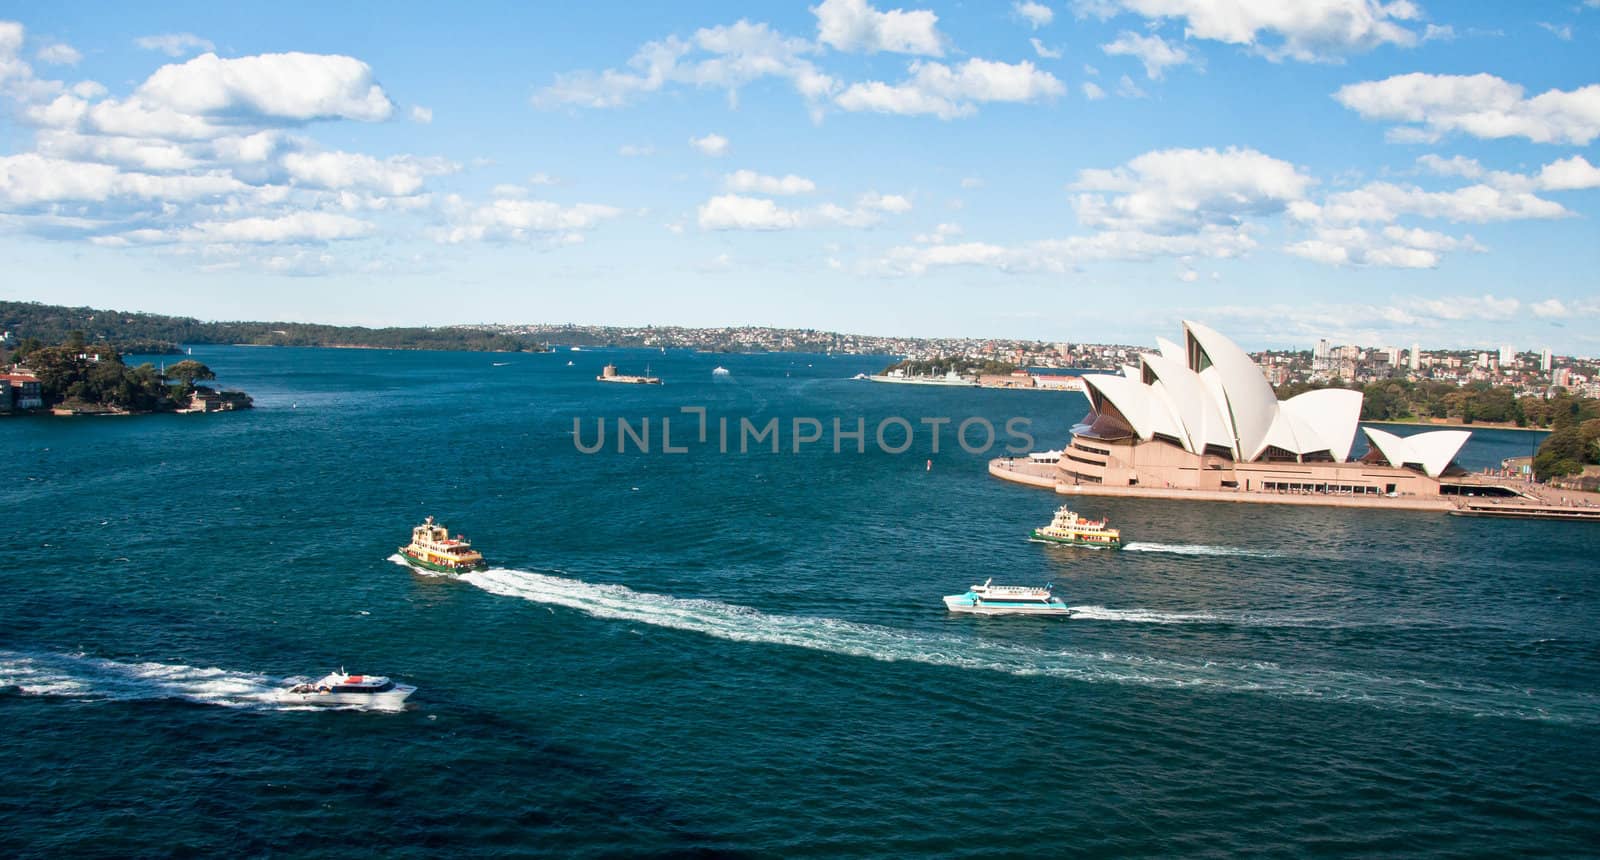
1374,172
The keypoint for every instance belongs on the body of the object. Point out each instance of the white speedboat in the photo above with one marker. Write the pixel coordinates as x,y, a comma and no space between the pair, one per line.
341,689
991,599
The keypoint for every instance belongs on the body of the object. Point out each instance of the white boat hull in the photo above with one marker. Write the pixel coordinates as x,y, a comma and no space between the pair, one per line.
960,603
389,700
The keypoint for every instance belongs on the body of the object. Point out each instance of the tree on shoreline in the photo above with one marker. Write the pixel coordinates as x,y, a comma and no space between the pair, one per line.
186,372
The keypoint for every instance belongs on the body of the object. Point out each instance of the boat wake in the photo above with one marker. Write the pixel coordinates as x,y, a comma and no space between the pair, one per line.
1198,549
1238,619
744,624
78,676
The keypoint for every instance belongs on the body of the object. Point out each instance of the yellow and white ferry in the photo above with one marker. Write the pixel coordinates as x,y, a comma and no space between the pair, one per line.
432,548
1069,528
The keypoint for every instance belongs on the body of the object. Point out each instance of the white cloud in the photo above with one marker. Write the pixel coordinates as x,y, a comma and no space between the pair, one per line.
175,44
518,220
1569,174
506,189
751,181
292,86
1386,201
884,202
1183,190
421,114
1325,30
1456,165
1059,256
714,145
1549,309
30,179
1156,53
937,89
292,228
854,26
939,235
971,182
1044,52
735,212
297,227
723,57
1036,14
398,176
59,54
1481,105
1128,89
1394,247
1562,32
1092,91
629,150
739,212
543,179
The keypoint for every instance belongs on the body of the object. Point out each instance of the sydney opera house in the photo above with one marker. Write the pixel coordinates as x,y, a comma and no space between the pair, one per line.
1202,416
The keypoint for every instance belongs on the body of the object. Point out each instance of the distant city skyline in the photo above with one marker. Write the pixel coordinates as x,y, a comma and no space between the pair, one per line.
1377,174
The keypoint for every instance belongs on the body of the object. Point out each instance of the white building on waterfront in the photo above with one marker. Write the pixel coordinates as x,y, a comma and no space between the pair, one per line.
1202,416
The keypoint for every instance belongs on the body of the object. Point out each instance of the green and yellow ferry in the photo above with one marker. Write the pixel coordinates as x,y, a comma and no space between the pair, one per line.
432,548
1069,528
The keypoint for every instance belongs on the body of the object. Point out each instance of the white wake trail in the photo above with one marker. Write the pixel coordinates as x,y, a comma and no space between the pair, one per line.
83,677
1198,549
836,636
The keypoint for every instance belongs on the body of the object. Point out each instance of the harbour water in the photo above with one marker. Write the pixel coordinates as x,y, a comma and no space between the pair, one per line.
746,654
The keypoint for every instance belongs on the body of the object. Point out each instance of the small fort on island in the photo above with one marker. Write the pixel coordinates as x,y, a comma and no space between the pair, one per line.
1199,421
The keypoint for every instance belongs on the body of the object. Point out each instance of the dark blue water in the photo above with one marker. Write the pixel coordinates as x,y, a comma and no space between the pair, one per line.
746,653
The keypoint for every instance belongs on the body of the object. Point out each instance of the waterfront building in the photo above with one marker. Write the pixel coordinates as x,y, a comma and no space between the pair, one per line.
27,393
1202,416
1508,356
1416,356
1545,360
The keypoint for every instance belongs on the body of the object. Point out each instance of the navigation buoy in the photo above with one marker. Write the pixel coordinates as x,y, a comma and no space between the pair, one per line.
930,466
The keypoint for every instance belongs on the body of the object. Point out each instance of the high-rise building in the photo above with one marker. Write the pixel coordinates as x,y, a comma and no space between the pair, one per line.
1546,361
1508,356
1416,356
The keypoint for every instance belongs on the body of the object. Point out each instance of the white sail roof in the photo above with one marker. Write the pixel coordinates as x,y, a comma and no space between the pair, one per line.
1203,424
1249,401
1209,393
1431,451
1333,413
1146,412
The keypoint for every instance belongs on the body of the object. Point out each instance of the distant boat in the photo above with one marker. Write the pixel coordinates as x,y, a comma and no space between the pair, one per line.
720,371
577,349
1069,528
501,363
432,548
950,378
990,599
569,364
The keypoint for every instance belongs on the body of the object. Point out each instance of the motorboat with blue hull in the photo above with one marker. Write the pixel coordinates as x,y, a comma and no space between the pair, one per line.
991,599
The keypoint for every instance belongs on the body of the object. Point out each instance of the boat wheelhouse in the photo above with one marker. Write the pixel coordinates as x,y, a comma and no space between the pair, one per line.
432,548
991,599
1069,528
